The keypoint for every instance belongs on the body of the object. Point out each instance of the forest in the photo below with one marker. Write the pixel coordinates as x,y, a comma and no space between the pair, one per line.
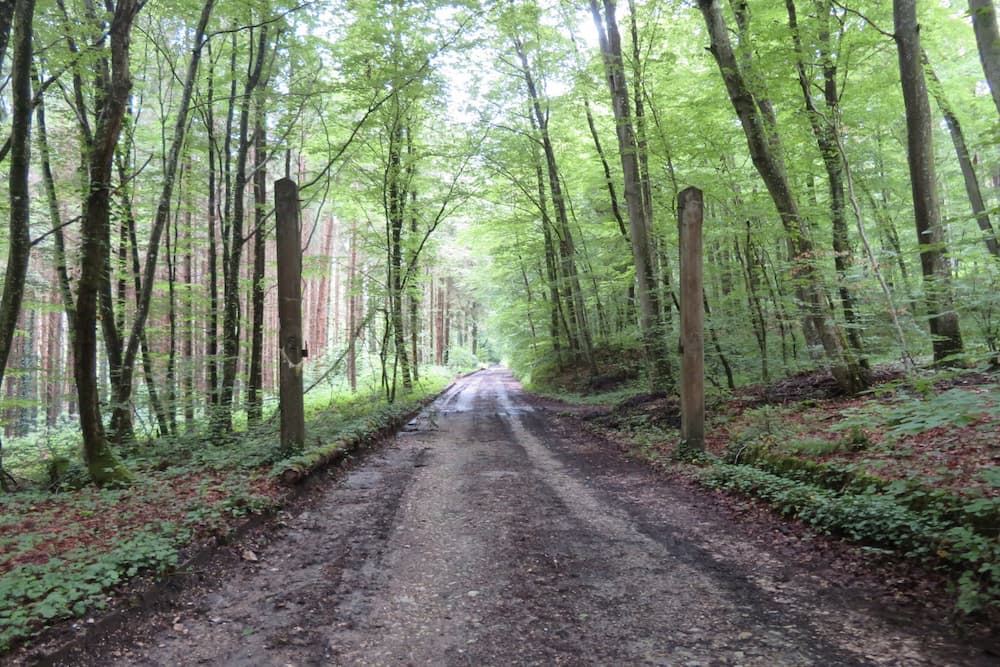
479,182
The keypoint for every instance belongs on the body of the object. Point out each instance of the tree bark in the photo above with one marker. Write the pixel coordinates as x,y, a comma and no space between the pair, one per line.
212,321
946,338
104,466
19,241
972,189
231,275
826,131
984,24
395,193
255,376
574,301
353,288
636,201
121,419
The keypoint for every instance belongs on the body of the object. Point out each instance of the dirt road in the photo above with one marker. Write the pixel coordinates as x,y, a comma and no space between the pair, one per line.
485,534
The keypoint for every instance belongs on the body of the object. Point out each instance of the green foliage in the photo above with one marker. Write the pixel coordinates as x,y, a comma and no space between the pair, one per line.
877,519
916,414
32,595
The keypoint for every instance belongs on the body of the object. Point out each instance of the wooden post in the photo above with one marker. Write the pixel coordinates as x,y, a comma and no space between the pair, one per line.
289,242
689,207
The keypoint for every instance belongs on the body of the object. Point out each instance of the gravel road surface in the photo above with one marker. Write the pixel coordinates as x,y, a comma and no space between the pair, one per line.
492,532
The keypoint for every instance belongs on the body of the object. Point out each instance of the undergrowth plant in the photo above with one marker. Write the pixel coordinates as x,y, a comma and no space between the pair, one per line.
877,520
916,413
34,594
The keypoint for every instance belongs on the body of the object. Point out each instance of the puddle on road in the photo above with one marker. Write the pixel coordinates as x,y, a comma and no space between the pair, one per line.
482,393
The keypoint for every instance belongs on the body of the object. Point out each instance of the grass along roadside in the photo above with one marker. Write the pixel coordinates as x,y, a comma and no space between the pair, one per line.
63,554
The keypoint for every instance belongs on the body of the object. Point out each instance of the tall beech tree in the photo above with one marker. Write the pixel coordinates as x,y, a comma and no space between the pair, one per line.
946,336
637,200
19,243
965,160
114,84
233,237
121,419
825,125
575,310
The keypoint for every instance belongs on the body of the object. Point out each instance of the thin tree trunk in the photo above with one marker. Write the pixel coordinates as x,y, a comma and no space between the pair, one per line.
616,210
234,239
352,309
121,418
212,323
395,193
752,281
255,379
826,131
59,238
551,272
574,304
189,327
968,168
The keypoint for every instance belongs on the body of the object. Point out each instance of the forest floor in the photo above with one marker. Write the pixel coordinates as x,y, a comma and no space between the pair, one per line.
501,528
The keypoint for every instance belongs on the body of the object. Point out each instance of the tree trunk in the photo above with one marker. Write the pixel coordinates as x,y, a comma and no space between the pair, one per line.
121,419
104,466
751,279
234,239
395,196
945,334
636,201
968,168
189,360
764,145
19,241
984,23
551,273
352,309
255,379
212,321
826,130
414,292
574,304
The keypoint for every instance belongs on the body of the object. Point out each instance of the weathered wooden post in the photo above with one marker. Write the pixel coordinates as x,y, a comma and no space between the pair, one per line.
689,207
289,242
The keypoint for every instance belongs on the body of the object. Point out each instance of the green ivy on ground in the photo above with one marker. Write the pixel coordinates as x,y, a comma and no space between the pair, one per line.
876,520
